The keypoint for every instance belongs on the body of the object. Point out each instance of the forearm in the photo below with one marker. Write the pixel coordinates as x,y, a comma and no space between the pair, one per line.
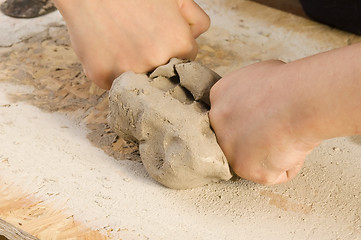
269,116
326,93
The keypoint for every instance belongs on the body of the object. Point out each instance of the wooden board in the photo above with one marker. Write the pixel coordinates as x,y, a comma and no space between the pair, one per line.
9,231
37,218
47,63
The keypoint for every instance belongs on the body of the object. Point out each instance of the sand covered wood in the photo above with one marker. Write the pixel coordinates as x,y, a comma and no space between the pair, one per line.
176,143
116,197
9,231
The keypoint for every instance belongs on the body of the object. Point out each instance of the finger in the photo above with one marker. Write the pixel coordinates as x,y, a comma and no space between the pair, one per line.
292,173
192,51
288,175
197,19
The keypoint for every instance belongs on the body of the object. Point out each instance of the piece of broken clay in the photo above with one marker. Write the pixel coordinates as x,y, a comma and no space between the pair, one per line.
27,8
166,113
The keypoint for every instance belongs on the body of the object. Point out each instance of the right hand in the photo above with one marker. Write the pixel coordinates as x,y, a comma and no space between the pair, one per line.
253,114
112,37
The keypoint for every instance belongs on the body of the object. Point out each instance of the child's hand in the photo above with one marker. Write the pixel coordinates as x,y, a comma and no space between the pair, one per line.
252,117
111,37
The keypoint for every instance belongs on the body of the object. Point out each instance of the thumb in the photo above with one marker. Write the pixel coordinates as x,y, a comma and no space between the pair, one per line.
197,19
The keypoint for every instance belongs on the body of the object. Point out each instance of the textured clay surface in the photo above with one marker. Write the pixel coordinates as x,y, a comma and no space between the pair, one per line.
27,8
162,113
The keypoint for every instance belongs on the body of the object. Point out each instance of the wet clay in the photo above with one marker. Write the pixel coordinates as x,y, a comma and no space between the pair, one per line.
167,113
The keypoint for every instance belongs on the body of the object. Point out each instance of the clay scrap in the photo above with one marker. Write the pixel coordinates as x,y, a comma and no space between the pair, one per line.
27,8
166,112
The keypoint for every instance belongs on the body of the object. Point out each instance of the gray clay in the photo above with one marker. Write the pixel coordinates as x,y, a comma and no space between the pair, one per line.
176,144
197,79
27,8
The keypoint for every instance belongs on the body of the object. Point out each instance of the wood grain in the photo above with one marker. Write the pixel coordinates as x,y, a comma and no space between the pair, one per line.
9,231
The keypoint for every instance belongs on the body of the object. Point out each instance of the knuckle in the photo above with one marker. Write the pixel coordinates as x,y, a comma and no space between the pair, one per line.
213,93
155,60
205,23
216,116
186,47
100,76
219,113
264,180
259,176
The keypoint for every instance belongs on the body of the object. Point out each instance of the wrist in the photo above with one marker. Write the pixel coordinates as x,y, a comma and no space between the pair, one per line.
325,93
298,108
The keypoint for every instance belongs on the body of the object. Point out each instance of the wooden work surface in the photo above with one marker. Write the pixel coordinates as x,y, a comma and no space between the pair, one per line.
46,63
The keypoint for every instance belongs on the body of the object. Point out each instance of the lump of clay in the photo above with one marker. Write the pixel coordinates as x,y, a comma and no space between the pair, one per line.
197,79
27,8
162,113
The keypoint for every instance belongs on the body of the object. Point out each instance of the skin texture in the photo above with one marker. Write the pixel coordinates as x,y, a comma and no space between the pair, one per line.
268,116
112,37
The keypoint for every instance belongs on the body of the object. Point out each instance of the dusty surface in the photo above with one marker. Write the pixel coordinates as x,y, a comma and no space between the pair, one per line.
40,218
165,115
46,115
46,62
